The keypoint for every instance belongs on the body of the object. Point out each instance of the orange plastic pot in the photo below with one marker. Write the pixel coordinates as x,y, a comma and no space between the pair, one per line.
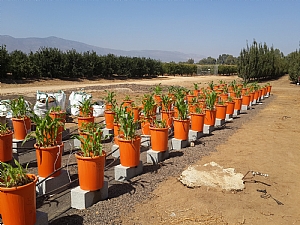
6,147
196,92
230,108
197,121
136,114
127,103
91,171
221,111
237,103
251,96
59,115
256,95
158,99
224,97
82,120
192,108
246,100
145,125
18,204
117,132
232,94
181,129
129,151
21,127
168,117
159,138
108,106
210,117
49,159
175,112
59,137
244,90
269,88
109,119
190,98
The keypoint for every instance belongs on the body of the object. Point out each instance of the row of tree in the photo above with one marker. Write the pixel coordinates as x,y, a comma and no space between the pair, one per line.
258,61
53,63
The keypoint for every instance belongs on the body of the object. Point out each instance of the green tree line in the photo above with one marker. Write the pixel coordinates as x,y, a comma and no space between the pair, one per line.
258,61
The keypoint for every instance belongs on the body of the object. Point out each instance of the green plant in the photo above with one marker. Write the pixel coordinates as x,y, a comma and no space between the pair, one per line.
110,98
230,99
46,131
196,86
159,123
149,104
238,93
91,141
119,111
166,101
55,109
182,108
20,108
85,107
211,85
157,89
171,89
198,110
13,176
4,129
128,125
210,100
127,98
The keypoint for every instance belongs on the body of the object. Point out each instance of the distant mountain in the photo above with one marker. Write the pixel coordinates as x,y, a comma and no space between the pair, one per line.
33,44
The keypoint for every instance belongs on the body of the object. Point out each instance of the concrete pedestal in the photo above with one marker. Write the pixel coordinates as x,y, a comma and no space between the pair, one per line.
236,113
18,147
107,133
220,122
81,199
52,183
154,157
207,129
254,102
145,140
71,144
245,107
123,173
228,117
115,151
41,218
195,135
179,144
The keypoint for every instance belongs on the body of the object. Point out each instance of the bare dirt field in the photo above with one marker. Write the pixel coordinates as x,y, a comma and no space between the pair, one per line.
264,139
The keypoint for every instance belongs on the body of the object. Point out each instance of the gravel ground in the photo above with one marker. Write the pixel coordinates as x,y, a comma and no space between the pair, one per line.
124,195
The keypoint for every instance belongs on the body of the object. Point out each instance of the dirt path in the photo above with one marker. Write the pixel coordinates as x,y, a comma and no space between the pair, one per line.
268,144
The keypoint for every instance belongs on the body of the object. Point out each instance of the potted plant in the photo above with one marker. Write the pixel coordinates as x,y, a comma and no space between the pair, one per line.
127,102
118,113
17,194
129,141
221,110
182,122
57,112
149,112
238,99
159,132
110,100
210,112
167,113
230,106
196,89
85,112
197,119
6,137
91,159
157,94
48,149
21,113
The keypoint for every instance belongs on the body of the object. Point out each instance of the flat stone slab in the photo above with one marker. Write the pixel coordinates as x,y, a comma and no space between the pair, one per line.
212,175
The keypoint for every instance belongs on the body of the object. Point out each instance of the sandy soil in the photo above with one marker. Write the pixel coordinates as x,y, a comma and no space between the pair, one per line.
269,143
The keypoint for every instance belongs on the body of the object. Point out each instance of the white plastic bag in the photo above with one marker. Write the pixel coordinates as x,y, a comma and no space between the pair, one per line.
98,110
74,101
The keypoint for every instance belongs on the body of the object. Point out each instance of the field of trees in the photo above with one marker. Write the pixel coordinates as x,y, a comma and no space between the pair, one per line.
255,62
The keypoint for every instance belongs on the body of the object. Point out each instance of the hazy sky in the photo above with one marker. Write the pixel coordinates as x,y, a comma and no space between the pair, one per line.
203,27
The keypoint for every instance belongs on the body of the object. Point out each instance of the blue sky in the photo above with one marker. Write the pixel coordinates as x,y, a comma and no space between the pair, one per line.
204,27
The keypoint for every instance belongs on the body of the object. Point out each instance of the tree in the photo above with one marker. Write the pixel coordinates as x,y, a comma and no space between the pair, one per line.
4,61
207,61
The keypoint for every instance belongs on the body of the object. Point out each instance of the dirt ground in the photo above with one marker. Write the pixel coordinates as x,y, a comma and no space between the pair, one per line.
268,143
